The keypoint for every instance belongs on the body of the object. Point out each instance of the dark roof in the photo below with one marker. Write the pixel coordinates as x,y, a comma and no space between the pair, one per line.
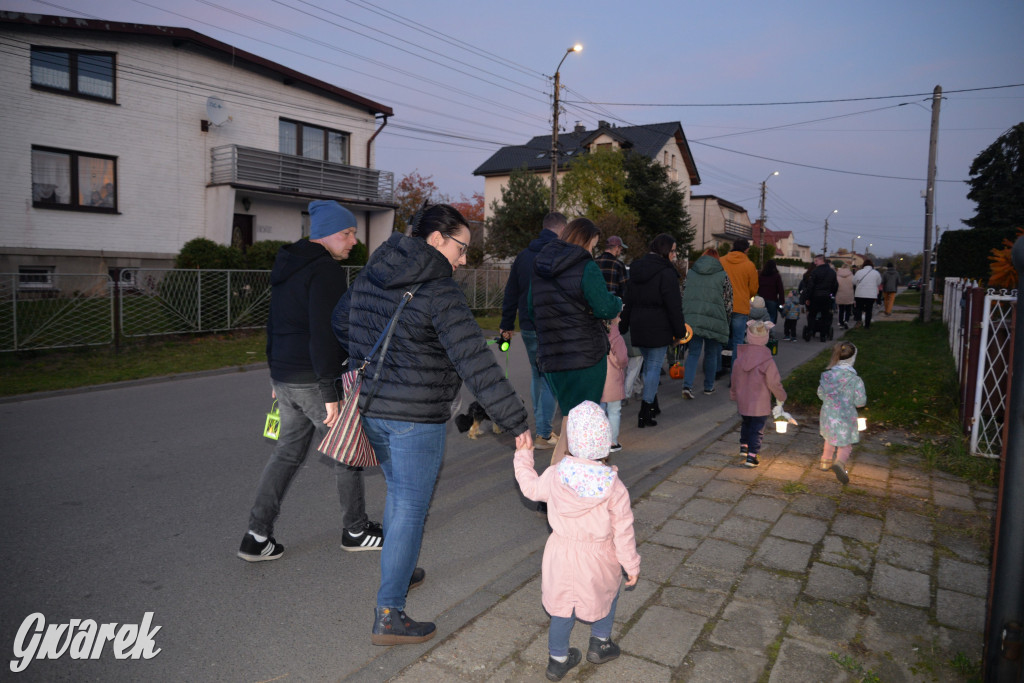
11,20
721,202
536,154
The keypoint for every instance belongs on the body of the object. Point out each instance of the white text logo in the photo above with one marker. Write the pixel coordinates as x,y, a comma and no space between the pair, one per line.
81,639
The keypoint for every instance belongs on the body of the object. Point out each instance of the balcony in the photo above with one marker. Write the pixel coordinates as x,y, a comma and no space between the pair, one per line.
736,229
233,164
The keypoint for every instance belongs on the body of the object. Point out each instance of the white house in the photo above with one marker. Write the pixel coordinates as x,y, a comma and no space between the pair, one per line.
124,141
716,220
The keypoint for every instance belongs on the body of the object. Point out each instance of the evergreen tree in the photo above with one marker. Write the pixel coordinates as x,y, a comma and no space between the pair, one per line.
518,217
997,182
657,200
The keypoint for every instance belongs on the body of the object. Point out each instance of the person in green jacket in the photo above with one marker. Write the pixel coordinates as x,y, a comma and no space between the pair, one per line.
707,306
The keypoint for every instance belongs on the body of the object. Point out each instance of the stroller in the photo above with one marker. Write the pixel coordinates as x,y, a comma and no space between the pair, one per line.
819,323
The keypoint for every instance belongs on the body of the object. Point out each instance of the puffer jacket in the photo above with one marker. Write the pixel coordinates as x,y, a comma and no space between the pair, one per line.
436,343
755,379
653,312
517,288
704,299
844,295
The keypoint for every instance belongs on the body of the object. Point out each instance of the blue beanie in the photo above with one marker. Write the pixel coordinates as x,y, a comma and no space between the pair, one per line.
328,217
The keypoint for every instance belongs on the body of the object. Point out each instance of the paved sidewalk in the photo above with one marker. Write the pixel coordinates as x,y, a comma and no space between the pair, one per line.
777,573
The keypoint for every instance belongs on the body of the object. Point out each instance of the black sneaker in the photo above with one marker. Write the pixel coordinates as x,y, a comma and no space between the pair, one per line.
752,460
418,575
615,448
840,473
687,392
601,651
557,670
743,452
254,551
394,627
370,538
708,392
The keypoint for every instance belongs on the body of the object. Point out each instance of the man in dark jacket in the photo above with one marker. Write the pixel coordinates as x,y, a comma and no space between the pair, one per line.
516,290
614,270
305,361
821,290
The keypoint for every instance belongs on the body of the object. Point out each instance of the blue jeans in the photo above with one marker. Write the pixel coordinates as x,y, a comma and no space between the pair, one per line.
541,396
410,455
751,431
773,310
302,425
654,358
561,628
613,409
712,356
737,334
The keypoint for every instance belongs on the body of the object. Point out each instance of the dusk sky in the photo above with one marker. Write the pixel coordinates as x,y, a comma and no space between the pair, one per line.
465,78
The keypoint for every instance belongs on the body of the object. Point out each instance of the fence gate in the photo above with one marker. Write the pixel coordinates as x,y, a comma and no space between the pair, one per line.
993,378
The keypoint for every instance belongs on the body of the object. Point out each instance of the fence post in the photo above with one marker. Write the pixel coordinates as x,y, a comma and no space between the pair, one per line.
1004,627
199,299
969,372
227,303
115,273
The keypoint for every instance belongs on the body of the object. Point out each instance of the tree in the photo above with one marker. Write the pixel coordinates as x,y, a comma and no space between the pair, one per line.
595,186
518,217
472,208
410,193
997,182
657,200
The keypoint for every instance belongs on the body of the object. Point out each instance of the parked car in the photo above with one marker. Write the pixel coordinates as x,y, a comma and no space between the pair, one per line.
914,284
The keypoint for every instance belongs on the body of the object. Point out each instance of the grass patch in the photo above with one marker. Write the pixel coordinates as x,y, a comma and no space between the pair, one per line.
852,666
791,487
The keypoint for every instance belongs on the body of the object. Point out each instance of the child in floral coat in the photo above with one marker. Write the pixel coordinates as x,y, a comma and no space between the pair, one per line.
841,392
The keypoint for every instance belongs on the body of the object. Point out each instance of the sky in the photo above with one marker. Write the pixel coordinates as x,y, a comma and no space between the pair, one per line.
836,97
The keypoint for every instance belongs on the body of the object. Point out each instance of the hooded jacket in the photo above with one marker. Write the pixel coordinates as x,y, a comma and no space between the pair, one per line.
592,537
435,344
653,313
705,299
567,311
755,379
744,278
841,392
517,288
618,360
305,284
844,293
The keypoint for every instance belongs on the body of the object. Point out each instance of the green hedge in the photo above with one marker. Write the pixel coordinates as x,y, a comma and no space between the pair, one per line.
964,253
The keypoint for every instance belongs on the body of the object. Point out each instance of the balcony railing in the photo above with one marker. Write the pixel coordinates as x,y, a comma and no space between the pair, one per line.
737,229
289,173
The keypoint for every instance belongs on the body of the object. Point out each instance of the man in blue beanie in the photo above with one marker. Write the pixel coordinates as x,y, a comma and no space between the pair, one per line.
305,368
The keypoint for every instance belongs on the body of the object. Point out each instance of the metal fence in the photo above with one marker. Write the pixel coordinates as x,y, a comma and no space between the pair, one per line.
65,310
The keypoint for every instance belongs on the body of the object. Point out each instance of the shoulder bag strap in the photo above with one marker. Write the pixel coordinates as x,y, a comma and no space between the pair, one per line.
384,340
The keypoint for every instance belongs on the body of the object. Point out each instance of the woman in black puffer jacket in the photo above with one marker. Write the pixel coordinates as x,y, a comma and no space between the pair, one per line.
436,344
653,314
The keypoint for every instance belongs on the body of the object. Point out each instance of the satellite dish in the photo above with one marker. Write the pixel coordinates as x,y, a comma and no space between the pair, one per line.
216,111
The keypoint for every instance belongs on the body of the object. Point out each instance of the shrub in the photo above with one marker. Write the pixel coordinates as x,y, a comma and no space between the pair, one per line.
358,256
261,255
203,253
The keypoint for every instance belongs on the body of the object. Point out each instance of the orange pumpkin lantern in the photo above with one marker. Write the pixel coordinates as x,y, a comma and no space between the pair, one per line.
676,371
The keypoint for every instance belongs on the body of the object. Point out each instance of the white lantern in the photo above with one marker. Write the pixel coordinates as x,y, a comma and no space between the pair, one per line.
862,424
780,425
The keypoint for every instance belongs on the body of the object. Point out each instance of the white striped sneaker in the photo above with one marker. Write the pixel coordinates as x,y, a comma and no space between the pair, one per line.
370,538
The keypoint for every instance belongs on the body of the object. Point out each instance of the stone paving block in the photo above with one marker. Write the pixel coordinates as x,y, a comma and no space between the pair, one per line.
703,579
425,671
959,610
915,506
695,476
864,529
652,513
772,488
705,603
474,649
632,601
865,470
681,527
715,554
834,583
909,525
727,445
704,511
741,530
800,661
627,668
658,563
966,547
798,528
892,627
872,489
738,473
901,585
760,507
715,461
725,665
784,471
824,624
908,489
954,641
673,492
903,553
717,489
813,506
948,500
746,626
954,487
523,605
663,634
682,542
758,585
847,553
857,501
781,554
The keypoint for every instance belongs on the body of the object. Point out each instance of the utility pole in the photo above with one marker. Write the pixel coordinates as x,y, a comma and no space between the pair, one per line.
929,210
764,185
824,247
554,146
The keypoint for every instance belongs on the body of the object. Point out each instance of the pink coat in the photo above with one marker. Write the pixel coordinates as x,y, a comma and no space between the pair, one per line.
592,538
755,378
615,380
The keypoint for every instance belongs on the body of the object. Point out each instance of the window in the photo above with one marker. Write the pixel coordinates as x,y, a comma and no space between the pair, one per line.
35,277
74,72
63,179
312,142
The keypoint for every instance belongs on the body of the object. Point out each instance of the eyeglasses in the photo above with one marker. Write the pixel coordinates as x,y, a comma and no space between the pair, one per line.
463,247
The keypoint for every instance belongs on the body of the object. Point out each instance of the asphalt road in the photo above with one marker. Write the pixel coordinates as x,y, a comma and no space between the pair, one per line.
133,499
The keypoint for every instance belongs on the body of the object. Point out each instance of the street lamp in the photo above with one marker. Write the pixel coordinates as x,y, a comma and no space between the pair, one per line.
764,185
554,127
824,248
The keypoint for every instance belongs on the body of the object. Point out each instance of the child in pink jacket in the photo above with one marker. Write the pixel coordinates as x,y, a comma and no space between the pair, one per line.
615,381
591,542
755,379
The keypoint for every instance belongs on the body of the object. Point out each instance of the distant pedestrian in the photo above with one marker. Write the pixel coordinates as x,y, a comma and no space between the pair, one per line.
819,297
844,295
707,305
771,289
866,284
612,268
755,379
792,311
890,284
841,392
592,540
615,382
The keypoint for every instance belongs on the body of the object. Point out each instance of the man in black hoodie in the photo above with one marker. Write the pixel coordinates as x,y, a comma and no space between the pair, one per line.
305,361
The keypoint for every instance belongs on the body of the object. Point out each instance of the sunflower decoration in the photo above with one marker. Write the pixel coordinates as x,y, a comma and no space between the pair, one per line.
1001,270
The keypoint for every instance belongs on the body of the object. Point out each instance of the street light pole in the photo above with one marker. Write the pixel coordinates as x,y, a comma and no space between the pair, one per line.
764,185
554,128
824,247
929,210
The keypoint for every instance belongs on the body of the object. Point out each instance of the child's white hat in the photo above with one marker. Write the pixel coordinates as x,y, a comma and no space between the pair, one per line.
757,331
588,431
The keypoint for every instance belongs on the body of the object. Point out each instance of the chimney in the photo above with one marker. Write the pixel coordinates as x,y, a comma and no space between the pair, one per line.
603,124
580,128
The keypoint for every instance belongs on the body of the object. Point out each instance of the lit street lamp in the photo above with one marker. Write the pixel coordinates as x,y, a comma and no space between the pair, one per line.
824,248
554,127
764,185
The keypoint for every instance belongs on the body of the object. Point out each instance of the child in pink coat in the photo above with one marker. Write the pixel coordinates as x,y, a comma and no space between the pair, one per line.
591,542
755,379
615,381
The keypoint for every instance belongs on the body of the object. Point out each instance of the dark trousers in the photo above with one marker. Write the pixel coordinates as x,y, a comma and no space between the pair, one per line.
789,328
751,431
864,308
845,312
